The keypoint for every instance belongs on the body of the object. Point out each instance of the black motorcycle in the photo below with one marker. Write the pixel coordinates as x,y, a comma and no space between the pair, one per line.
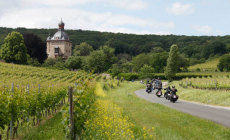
159,92
167,93
173,96
149,88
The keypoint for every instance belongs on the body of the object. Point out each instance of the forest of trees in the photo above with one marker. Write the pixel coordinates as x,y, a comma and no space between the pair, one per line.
122,53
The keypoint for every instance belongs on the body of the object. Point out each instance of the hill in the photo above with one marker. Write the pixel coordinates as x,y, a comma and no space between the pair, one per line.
191,46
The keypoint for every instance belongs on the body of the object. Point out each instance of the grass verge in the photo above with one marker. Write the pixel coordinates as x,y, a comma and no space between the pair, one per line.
213,97
169,124
52,129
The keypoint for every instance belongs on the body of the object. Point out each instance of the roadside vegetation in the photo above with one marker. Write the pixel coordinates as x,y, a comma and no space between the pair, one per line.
168,123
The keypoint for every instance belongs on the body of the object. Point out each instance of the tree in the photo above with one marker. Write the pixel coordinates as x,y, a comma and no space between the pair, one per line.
36,48
224,63
146,71
14,49
172,64
97,61
140,60
214,48
183,63
83,49
159,61
74,62
110,57
157,50
57,63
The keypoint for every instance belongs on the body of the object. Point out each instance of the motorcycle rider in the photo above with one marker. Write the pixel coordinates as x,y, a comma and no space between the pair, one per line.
174,90
168,89
149,85
158,84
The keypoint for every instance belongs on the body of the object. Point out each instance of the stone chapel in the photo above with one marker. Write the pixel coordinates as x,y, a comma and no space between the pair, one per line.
59,45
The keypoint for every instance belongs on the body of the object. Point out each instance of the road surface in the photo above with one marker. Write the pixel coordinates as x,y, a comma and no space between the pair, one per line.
217,114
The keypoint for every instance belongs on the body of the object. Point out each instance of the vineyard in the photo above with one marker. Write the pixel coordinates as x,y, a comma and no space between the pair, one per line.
212,83
210,65
28,94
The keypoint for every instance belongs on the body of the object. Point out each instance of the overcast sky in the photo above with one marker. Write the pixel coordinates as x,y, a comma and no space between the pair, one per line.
180,17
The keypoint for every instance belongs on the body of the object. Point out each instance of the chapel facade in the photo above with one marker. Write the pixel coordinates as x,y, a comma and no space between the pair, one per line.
59,45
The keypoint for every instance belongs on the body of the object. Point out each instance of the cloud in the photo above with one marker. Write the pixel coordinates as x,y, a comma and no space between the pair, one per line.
181,9
206,30
124,4
80,19
56,3
127,4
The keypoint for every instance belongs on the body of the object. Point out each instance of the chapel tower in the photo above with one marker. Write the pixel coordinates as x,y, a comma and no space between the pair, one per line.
59,45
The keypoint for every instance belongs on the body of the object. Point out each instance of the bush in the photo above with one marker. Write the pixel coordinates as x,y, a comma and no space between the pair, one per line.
73,62
33,62
178,76
57,63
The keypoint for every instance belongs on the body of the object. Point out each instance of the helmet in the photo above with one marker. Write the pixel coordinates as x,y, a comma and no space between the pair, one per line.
173,86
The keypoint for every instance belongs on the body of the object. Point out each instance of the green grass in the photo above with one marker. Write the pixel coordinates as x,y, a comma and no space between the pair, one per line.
52,129
213,97
169,124
210,65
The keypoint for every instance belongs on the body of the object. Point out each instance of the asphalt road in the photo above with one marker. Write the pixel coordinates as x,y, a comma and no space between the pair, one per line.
216,114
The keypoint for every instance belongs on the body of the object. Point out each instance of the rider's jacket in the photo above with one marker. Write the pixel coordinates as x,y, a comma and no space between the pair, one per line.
173,91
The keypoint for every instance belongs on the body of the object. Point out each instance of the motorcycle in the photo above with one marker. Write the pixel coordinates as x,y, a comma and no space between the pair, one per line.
173,96
149,88
159,93
167,93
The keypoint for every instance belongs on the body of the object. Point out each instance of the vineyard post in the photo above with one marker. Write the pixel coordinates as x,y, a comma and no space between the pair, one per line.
39,86
39,113
216,83
11,122
27,89
71,119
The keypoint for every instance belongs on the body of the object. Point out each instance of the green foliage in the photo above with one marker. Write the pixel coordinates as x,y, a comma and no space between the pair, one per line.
146,71
110,57
74,62
83,49
157,50
159,61
183,63
33,62
57,63
214,48
14,49
83,98
140,60
172,63
97,61
36,48
224,63
190,46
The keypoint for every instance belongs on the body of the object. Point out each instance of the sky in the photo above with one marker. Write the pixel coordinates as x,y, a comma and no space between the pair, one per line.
162,17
